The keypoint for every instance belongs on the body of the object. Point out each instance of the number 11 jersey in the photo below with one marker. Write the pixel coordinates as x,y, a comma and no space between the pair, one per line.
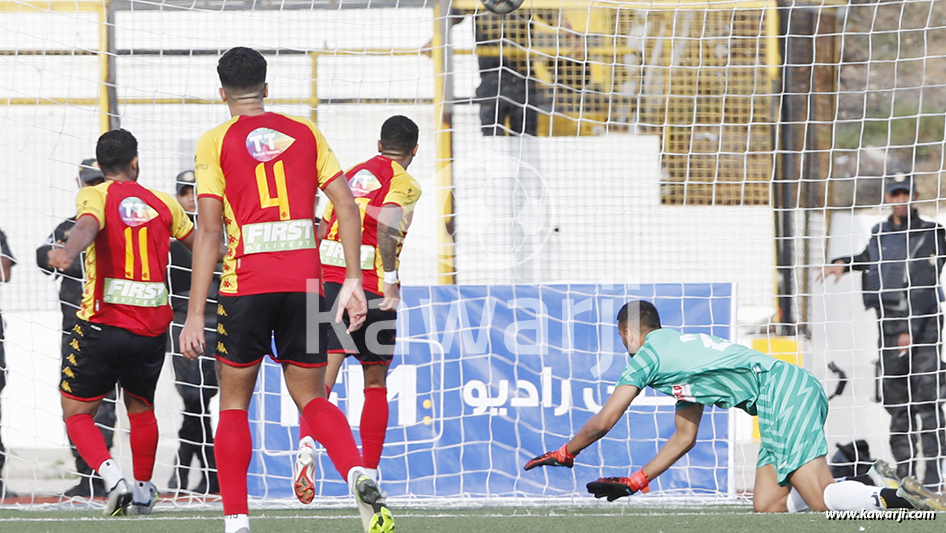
126,265
267,169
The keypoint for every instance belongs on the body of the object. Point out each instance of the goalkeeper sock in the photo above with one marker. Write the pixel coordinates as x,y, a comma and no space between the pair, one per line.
330,427
852,496
144,444
90,443
795,503
374,424
233,449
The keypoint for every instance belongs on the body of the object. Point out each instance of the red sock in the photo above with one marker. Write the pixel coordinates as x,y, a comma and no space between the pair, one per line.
144,443
330,427
233,449
304,430
88,440
374,423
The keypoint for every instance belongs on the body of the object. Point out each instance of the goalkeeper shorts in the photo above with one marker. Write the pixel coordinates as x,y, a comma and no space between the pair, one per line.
792,410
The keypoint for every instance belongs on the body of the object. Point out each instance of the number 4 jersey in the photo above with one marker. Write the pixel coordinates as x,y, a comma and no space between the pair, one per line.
266,169
698,369
374,184
126,265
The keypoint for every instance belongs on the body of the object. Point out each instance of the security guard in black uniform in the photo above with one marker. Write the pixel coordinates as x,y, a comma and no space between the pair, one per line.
70,299
901,266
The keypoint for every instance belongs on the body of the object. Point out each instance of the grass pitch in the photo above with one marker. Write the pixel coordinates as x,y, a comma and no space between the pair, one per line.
599,519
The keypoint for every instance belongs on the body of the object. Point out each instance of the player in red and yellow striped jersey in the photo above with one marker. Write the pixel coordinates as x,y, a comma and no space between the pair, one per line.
119,336
259,172
386,195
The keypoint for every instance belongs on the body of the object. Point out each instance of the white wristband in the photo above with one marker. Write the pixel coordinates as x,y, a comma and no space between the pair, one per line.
391,277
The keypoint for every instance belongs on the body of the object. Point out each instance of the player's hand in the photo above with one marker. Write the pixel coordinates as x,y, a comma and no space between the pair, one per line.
613,488
351,298
903,342
837,270
392,296
559,457
60,258
192,338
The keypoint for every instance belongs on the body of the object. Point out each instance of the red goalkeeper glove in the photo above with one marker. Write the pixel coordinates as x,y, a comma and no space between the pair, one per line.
618,487
559,457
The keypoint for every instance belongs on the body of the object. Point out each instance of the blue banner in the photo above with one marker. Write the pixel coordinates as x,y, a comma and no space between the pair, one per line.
486,377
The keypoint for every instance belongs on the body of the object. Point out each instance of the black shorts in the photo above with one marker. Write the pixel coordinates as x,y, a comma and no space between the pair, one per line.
99,356
373,343
247,325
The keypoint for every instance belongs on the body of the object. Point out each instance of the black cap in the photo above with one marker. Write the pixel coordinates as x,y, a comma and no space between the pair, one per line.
89,170
898,182
185,179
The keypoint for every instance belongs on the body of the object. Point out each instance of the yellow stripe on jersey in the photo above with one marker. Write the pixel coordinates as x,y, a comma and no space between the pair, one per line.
228,280
143,252
88,291
129,254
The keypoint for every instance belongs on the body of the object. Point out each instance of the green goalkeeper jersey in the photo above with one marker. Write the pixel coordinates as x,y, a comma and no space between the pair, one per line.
698,368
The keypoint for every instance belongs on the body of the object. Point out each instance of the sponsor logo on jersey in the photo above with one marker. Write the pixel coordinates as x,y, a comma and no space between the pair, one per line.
363,183
135,212
332,253
265,144
280,236
683,392
136,293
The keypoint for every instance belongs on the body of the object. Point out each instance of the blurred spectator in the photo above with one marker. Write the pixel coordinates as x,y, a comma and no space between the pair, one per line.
507,83
6,266
507,87
196,380
70,297
901,267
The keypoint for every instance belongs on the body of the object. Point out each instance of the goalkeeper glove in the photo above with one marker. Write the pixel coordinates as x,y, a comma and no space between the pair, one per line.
618,487
559,457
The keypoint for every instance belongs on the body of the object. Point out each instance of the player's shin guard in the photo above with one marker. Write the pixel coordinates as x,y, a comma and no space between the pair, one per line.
144,443
852,496
233,449
88,439
374,424
330,427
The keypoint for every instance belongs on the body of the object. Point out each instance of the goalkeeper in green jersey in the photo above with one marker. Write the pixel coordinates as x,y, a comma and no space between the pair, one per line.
700,370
